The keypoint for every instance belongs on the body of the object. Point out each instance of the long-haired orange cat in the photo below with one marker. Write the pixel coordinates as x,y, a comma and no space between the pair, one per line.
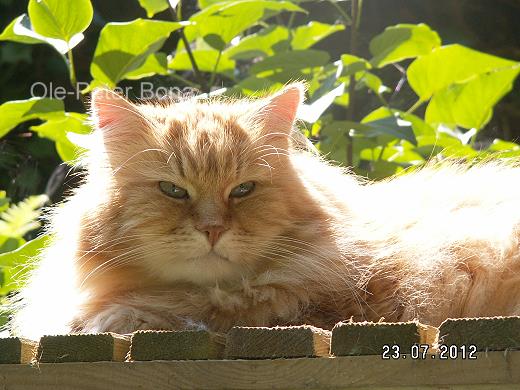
214,213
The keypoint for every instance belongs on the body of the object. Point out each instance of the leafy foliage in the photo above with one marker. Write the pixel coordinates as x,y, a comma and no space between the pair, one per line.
242,47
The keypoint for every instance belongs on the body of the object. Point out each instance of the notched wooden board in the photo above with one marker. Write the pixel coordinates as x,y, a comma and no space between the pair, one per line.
486,333
369,338
82,348
14,350
181,345
277,342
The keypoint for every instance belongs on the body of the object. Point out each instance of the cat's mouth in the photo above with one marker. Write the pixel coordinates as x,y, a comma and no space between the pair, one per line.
214,256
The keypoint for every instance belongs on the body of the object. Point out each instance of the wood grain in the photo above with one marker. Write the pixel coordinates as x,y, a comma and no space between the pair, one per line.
164,345
277,342
486,333
82,348
16,350
367,338
492,370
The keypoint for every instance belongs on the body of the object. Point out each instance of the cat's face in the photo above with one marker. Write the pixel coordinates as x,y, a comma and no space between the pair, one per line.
203,189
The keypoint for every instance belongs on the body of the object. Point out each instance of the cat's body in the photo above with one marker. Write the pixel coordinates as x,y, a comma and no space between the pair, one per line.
309,244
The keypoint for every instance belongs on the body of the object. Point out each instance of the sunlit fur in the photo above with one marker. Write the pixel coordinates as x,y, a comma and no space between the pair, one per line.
311,244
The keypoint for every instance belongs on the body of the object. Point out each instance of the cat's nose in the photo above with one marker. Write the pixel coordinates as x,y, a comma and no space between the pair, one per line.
213,232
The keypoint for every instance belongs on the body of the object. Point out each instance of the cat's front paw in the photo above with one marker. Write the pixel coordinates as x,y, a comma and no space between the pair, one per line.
123,319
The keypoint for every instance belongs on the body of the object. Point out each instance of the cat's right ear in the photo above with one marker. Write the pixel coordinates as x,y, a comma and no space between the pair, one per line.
110,110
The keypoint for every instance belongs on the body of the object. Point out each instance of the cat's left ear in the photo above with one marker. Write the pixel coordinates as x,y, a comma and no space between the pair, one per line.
279,110
111,111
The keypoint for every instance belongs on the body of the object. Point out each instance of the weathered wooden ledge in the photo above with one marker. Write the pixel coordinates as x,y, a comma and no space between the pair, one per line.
492,370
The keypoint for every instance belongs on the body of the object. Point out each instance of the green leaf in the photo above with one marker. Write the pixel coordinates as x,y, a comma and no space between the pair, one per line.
499,145
306,36
312,112
16,264
252,84
392,126
205,59
377,170
392,153
20,30
447,65
17,111
402,41
21,218
60,19
58,130
419,126
263,43
334,141
153,6
8,244
124,47
4,201
470,105
371,81
353,64
16,31
228,19
291,61
156,63
207,3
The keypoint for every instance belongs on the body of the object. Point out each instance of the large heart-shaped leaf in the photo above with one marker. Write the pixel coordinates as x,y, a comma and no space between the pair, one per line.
228,19
402,41
124,47
470,105
452,64
205,59
60,19
156,63
17,111
21,30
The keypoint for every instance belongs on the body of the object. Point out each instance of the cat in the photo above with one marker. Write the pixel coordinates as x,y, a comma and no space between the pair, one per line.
205,214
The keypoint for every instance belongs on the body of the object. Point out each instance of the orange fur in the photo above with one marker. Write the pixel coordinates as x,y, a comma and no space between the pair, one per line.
311,244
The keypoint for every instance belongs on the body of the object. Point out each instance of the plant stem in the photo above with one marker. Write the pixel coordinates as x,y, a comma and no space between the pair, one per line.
348,19
72,77
291,21
354,13
196,71
381,153
214,73
415,106
72,71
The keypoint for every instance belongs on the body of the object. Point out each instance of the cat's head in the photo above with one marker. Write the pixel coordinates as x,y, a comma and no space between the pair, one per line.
201,189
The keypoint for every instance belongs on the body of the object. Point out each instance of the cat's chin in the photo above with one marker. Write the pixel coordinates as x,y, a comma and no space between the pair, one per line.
208,269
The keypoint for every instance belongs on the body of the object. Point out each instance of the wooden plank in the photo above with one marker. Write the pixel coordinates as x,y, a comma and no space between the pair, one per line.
165,345
369,338
277,342
83,348
492,370
486,333
16,350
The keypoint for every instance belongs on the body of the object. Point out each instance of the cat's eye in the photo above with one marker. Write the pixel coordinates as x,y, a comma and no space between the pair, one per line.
173,191
242,189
